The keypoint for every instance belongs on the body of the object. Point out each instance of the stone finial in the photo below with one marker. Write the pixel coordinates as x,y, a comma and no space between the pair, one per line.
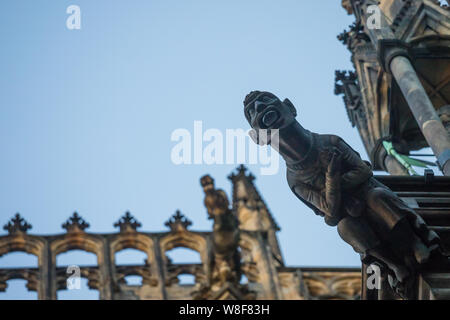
241,172
241,169
17,224
346,83
354,35
127,223
75,223
178,222
342,80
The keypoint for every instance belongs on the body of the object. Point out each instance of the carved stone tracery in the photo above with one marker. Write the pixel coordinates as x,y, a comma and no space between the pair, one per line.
253,252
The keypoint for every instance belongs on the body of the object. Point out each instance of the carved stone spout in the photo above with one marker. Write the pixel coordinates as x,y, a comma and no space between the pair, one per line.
325,173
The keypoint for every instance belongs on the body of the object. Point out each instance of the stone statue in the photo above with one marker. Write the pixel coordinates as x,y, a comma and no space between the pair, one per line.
225,236
326,174
223,281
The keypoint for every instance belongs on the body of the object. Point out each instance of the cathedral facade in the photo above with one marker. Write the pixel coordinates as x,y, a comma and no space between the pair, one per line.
398,97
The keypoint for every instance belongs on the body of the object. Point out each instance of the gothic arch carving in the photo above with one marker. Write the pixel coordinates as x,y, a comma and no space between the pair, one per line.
328,285
29,275
184,239
22,242
90,274
77,241
132,240
140,242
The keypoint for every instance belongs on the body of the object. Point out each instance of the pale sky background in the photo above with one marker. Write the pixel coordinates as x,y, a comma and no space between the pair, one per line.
86,115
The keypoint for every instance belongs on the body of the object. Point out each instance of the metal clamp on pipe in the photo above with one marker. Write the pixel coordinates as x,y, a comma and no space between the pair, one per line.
388,49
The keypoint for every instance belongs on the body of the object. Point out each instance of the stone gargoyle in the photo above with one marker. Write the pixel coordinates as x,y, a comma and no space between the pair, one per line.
325,173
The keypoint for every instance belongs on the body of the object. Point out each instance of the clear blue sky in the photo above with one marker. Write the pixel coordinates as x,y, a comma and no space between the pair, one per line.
86,115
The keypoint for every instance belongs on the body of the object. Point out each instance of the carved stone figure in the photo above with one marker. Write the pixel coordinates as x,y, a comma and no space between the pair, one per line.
330,177
225,233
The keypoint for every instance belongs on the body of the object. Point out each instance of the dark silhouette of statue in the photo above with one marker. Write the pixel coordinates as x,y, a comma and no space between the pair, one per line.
326,174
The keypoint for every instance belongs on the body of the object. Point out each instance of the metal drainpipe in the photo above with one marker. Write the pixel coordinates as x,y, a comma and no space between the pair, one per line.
423,110
402,70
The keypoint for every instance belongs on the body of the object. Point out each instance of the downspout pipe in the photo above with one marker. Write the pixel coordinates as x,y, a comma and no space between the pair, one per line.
423,110
394,56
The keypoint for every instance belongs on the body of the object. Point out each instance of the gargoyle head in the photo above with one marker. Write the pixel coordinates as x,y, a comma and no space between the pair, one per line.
264,110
